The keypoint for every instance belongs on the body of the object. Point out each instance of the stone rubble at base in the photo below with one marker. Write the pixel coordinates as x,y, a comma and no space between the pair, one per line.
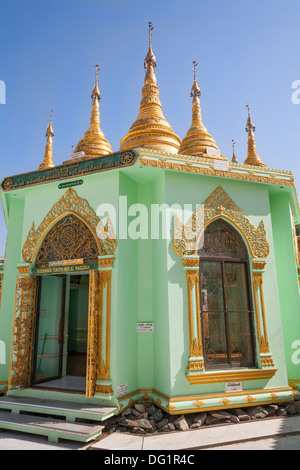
144,418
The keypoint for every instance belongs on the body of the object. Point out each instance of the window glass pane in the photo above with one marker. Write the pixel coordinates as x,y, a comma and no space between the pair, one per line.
236,286
214,333
240,338
211,286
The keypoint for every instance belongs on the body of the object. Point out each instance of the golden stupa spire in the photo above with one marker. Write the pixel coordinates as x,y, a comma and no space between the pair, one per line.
48,156
252,157
151,130
94,143
234,159
198,139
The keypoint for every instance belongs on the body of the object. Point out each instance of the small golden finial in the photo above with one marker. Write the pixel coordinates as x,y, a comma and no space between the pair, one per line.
151,27
252,157
195,92
49,131
96,91
249,125
48,156
150,59
234,159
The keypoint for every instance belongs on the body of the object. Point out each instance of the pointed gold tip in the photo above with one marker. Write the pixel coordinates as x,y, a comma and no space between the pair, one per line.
252,157
234,159
96,91
48,156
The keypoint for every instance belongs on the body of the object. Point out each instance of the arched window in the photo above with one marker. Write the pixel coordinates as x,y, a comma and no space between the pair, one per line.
226,305
68,239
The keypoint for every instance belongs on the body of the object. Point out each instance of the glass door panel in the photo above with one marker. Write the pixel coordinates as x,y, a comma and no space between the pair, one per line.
49,329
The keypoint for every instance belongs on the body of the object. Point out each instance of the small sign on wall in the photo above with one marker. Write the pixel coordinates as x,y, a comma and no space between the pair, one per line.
234,387
145,327
122,390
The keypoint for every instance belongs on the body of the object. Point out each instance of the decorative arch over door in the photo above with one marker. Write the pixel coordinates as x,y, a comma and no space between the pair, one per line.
69,239
71,204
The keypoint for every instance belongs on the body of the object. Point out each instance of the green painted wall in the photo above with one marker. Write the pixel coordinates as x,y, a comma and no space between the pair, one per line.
288,287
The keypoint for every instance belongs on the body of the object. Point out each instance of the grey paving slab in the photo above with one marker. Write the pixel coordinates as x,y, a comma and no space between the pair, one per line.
19,441
119,441
206,437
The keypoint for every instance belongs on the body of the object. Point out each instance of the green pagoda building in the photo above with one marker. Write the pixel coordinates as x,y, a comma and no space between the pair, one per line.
110,293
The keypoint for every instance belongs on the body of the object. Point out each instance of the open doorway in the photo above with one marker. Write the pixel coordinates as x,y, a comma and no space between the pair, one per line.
61,327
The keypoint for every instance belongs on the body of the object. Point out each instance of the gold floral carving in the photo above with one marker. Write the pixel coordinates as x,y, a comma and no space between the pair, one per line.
198,403
71,203
98,350
196,350
218,204
225,401
250,399
93,345
262,337
22,336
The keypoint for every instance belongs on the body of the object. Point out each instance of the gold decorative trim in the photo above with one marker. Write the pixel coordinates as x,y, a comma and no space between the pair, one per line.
71,203
259,265
262,338
198,404
250,399
225,401
196,350
104,389
106,262
231,376
22,334
98,357
218,205
190,168
174,407
24,269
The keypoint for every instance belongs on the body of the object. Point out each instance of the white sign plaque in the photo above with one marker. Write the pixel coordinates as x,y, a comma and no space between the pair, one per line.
121,390
145,327
221,165
234,387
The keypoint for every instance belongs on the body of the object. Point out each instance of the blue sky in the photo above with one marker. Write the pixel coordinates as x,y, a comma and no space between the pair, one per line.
246,51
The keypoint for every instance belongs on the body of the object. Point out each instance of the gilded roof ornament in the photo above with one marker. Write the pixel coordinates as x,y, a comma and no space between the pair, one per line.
48,156
151,130
252,157
198,141
234,159
94,143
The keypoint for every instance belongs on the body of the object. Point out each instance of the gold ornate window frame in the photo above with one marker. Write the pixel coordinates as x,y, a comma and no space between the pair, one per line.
185,243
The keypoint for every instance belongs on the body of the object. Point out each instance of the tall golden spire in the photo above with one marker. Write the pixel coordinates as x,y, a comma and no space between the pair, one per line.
48,156
252,157
234,159
198,139
94,143
151,130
